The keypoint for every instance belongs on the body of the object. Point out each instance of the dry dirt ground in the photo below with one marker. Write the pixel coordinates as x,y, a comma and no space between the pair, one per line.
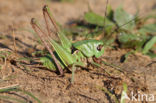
89,84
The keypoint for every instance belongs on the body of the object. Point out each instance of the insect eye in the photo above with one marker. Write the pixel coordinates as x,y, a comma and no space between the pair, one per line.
99,47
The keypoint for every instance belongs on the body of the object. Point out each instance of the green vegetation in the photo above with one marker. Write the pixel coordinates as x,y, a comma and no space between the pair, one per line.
119,27
15,88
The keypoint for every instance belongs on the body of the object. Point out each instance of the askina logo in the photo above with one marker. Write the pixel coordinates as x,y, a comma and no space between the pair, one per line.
138,97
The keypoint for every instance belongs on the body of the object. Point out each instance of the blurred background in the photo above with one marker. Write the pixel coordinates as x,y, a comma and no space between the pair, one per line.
19,12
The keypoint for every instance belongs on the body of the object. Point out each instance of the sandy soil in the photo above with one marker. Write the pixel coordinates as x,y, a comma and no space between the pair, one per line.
47,85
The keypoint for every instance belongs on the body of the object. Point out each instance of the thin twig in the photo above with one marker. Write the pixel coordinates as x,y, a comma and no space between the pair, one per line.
5,49
14,40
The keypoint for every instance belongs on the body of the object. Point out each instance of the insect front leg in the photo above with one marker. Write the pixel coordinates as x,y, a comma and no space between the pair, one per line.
97,60
74,67
100,60
73,73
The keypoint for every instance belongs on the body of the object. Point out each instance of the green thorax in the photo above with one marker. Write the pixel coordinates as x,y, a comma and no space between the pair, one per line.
89,47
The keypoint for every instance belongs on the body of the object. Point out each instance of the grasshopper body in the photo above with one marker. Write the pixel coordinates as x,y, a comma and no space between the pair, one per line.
67,54
90,47
82,50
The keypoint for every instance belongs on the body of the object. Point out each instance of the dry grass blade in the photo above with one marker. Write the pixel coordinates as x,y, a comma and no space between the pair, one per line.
8,88
110,94
12,99
15,88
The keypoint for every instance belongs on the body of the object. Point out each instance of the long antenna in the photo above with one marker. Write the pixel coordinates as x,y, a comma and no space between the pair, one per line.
126,23
105,13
